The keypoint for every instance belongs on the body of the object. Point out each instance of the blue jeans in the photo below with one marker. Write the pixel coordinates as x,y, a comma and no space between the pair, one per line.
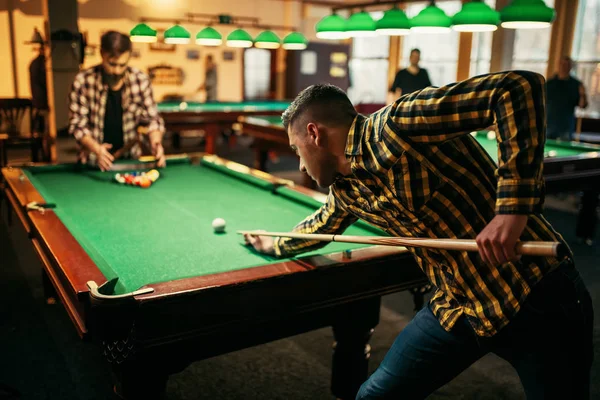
549,343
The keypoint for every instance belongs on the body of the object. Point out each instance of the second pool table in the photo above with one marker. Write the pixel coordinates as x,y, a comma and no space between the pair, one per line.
173,291
568,166
213,118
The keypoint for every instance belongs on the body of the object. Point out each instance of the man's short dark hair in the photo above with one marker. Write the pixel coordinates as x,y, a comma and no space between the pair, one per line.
324,103
114,43
415,50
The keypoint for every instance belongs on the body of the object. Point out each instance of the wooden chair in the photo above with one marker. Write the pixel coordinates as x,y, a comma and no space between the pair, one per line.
23,124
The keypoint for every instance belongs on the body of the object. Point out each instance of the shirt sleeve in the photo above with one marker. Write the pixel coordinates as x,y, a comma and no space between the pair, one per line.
397,83
329,218
156,122
427,80
79,109
513,101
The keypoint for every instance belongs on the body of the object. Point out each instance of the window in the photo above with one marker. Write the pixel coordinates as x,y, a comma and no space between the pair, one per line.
532,47
257,74
481,49
586,51
439,52
369,68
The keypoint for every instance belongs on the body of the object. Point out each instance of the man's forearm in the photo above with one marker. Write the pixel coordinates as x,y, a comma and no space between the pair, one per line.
89,143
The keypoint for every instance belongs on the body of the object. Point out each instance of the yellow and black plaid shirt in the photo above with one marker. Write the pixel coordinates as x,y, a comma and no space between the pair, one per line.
417,172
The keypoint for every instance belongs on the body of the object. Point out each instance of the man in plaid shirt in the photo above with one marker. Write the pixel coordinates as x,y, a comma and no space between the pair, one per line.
412,169
110,104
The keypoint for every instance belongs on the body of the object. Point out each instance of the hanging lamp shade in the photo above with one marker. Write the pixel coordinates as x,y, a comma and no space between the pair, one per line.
394,22
431,19
332,27
295,41
239,38
177,35
360,24
142,33
267,40
209,37
476,16
527,14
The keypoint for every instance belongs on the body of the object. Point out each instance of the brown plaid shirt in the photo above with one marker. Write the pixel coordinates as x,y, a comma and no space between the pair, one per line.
417,172
88,104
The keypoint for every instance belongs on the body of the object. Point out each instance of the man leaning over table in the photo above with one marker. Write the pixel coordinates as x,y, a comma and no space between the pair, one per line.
109,103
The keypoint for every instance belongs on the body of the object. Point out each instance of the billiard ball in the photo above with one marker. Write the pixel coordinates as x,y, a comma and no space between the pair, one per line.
491,135
183,105
218,225
552,153
474,134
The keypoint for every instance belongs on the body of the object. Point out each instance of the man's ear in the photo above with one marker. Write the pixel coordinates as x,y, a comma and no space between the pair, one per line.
312,132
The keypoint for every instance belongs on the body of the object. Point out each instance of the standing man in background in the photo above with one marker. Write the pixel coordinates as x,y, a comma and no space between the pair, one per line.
109,102
39,95
210,80
563,93
410,79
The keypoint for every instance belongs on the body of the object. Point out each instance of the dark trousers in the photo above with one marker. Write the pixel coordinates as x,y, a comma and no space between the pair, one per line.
549,343
587,218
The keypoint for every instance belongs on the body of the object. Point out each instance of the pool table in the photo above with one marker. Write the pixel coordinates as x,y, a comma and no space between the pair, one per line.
142,273
568,166
213,118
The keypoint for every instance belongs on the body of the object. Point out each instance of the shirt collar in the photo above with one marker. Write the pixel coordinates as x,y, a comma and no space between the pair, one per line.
355,134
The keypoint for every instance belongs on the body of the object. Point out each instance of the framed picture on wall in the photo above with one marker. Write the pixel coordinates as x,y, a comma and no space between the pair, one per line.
160,44
228,55
193,54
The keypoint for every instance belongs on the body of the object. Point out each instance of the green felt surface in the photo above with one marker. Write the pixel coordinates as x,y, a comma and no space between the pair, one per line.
164,232
190,106
553,148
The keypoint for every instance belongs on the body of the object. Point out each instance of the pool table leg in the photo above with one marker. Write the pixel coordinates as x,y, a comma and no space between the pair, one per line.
137,382
351,349
176,140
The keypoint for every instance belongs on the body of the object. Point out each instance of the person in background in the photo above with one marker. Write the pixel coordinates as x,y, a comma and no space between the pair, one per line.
563,93
210,79
109,102
39,92
412,78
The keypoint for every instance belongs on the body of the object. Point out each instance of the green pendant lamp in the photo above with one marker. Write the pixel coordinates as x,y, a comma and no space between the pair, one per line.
177,35
239,38
267,40
394,23
142,33
332,27
209,37
476,16
295,41
361,24
527,14
431,19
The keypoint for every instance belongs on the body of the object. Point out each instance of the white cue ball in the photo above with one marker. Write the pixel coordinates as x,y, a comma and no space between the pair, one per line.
552,153
491,135
218,225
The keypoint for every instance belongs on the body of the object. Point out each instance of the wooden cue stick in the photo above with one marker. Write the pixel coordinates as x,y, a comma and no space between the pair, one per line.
546,249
